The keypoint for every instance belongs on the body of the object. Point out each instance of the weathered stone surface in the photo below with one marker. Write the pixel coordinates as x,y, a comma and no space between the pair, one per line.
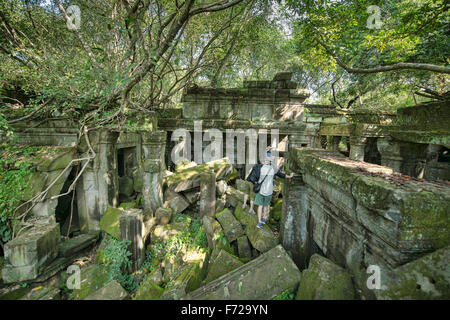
171,266
324,280
220,204
93,277
190,178
163,215
43,293
261,239
425,278
156,276
28,254
175,201
78,243
234,196
184,164
132,229
56,159
213,230
109,222
111,291
164,232
263,278
127,205
221,187
192,196
231,227
222,263
244,248
149,290
207,202
188,280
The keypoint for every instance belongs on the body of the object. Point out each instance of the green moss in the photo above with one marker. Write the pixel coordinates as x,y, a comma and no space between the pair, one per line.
323,280
109,222
426,216
149,290
93,277
127,205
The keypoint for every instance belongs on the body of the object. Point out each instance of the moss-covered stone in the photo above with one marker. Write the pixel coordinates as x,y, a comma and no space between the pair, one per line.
111,291
223,263
231,227
148,290
262,239
127,205
109,222
324,280
184,164
426,216
425,278
190,178
93,277
275,213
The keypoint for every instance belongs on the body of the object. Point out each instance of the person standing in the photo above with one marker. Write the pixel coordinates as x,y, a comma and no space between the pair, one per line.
264,196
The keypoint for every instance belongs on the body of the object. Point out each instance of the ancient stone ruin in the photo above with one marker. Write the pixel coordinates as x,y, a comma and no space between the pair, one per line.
370,196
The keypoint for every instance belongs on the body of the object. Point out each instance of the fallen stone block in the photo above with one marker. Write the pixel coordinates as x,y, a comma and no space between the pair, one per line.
111,291
149,290
109,222
28,254
244,248
261,279
234,196
156,276
192,196
126,187
231,227
188,280
78,243
127,205
132,229
220,204
427,278
43,293
223,263
171,265
92,278
164,232
163,215
190,178
324,280
261,239
175,201
184,164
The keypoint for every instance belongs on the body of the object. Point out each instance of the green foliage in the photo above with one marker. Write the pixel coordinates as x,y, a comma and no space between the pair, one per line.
285,295
117,259
15,172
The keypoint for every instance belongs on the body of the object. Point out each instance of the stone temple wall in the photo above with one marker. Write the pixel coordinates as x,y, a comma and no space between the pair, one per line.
360,214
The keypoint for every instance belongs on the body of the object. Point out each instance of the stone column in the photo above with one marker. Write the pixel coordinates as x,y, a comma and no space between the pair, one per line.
98,187
207,194
357,145
153,152
404,157
132,228
333,143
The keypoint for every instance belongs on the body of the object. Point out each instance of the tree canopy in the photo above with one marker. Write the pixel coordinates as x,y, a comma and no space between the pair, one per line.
135,56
